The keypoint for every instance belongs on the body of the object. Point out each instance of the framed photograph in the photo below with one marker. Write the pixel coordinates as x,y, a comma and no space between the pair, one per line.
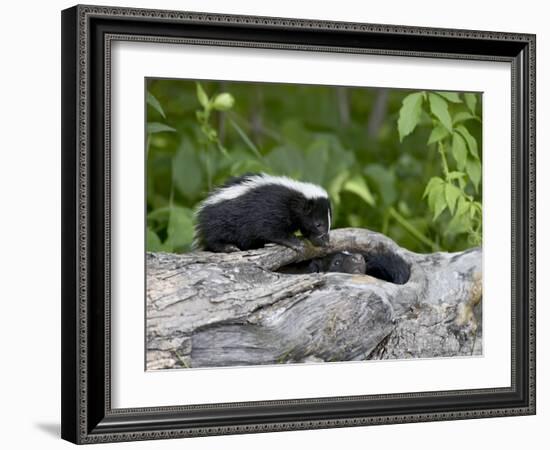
280,224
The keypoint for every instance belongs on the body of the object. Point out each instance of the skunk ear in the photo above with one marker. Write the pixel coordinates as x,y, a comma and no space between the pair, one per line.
308,206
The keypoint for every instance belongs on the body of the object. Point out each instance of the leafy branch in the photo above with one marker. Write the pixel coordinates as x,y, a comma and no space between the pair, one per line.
221,102
458,189
155,127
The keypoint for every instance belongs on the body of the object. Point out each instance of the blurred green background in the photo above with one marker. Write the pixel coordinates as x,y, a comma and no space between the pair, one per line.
405,163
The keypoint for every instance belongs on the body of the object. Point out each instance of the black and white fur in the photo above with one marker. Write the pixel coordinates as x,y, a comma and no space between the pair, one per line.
250,211
384,266
343,262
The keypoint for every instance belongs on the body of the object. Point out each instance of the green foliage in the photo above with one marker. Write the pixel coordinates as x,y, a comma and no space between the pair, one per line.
440,109
152,101
156,127
358,186
471,102
458,190
417,178
459,151
221,102
410,114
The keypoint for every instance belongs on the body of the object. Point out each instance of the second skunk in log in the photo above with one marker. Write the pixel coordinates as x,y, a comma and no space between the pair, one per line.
384,266
344,262
250,211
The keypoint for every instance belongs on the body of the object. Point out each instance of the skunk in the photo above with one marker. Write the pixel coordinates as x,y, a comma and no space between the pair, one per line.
388,267
343,262
252,210
384,266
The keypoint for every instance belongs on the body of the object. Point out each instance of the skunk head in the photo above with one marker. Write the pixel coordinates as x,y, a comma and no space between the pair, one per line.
343,262
347,262
315,220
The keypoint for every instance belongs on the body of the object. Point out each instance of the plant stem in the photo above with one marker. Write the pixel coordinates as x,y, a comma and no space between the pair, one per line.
264,130
443,160
412,229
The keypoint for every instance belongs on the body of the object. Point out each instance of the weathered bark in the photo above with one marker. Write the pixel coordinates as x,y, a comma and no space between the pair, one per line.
220,309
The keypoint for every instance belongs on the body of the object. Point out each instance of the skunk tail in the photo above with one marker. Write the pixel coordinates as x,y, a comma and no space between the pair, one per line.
388,267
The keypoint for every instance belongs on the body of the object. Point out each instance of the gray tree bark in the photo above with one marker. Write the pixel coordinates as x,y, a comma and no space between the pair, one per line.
225,309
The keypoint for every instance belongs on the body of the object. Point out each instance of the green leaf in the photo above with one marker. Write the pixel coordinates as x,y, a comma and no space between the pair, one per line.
153,241
152,101
180,229
440,109
202,97
436,190
462,116
358,186
473,169
474,210
245,138
456,175
159,214
459,151
471,102
438,133
433,183
440,202
460,223
462,206
450,96
409,114
223,102
452,193
336,186
470,140
157,127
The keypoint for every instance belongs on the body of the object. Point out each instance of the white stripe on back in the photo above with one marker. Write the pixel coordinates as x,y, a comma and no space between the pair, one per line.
308,190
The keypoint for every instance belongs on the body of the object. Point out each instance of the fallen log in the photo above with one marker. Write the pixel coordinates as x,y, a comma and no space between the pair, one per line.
225,309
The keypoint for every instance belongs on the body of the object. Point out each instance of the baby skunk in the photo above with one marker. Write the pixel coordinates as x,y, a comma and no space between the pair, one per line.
388,267
384,266
255,209
343,262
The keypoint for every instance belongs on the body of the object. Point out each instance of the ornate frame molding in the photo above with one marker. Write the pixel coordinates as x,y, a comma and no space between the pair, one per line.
87,421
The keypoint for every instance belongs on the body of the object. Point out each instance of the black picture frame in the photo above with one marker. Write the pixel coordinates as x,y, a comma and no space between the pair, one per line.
87,32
